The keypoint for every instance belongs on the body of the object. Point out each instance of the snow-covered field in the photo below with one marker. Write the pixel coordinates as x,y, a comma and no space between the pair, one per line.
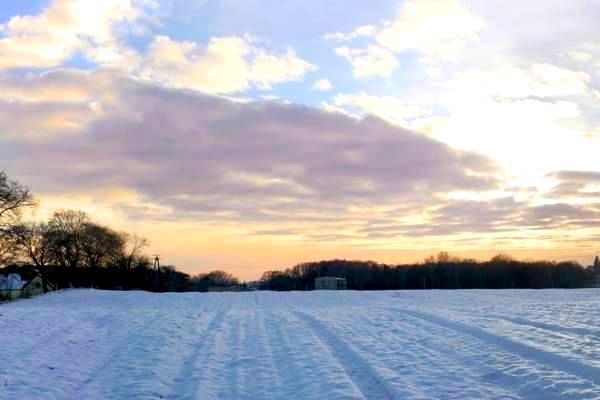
86,344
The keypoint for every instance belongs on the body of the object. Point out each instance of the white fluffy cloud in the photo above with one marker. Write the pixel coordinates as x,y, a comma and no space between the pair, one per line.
93,28
435,28
439,28
267,68
64,28
361,31
370,61
392,109
322,85
224,65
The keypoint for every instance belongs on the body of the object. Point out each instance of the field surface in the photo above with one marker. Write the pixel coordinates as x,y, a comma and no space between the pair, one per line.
87,344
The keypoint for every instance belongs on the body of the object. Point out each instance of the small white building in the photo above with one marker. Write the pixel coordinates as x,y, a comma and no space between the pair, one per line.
330,283
10,286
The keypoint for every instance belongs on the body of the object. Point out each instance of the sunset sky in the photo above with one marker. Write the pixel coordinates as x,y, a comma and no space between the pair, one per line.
248,135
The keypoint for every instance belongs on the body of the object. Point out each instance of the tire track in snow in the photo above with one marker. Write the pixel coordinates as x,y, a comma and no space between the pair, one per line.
551,360
233,362
304,364
359,371
186,384
415,356
116,346
573,342
251,372
549,327
289,369
274,381
99,377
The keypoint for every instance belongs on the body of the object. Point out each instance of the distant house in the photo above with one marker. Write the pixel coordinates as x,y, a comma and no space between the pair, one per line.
232,288
13,286
330,283
10,286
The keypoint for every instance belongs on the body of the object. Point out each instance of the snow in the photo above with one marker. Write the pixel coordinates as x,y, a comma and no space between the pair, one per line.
88,344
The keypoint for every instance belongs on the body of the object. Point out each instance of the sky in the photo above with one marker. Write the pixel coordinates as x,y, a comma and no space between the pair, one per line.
250,135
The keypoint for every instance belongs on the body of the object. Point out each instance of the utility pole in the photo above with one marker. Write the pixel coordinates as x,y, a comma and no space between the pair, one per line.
156,266
156,270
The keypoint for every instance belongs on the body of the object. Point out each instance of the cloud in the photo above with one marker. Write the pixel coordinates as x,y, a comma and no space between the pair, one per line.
322,85
439,28
501,80
579,185
370,61
580,56
506,111
538,29
58,86
267,167
50,118
491,220
268,69
562,215
391,109
361,31
578,176
451,217
211,159
224,65
64,28
97,29
539,80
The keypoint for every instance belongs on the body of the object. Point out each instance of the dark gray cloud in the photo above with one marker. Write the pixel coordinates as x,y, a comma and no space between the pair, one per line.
494,216
454,216
575,184
562,215
319,175
578,176
207,156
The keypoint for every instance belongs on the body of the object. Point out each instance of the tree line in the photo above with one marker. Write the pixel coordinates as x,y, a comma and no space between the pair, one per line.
436,272
71,250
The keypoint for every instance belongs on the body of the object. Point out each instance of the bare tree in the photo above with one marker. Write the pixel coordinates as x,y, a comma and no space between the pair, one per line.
66,230
34,242
134,246
14,197
100,245
7,248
